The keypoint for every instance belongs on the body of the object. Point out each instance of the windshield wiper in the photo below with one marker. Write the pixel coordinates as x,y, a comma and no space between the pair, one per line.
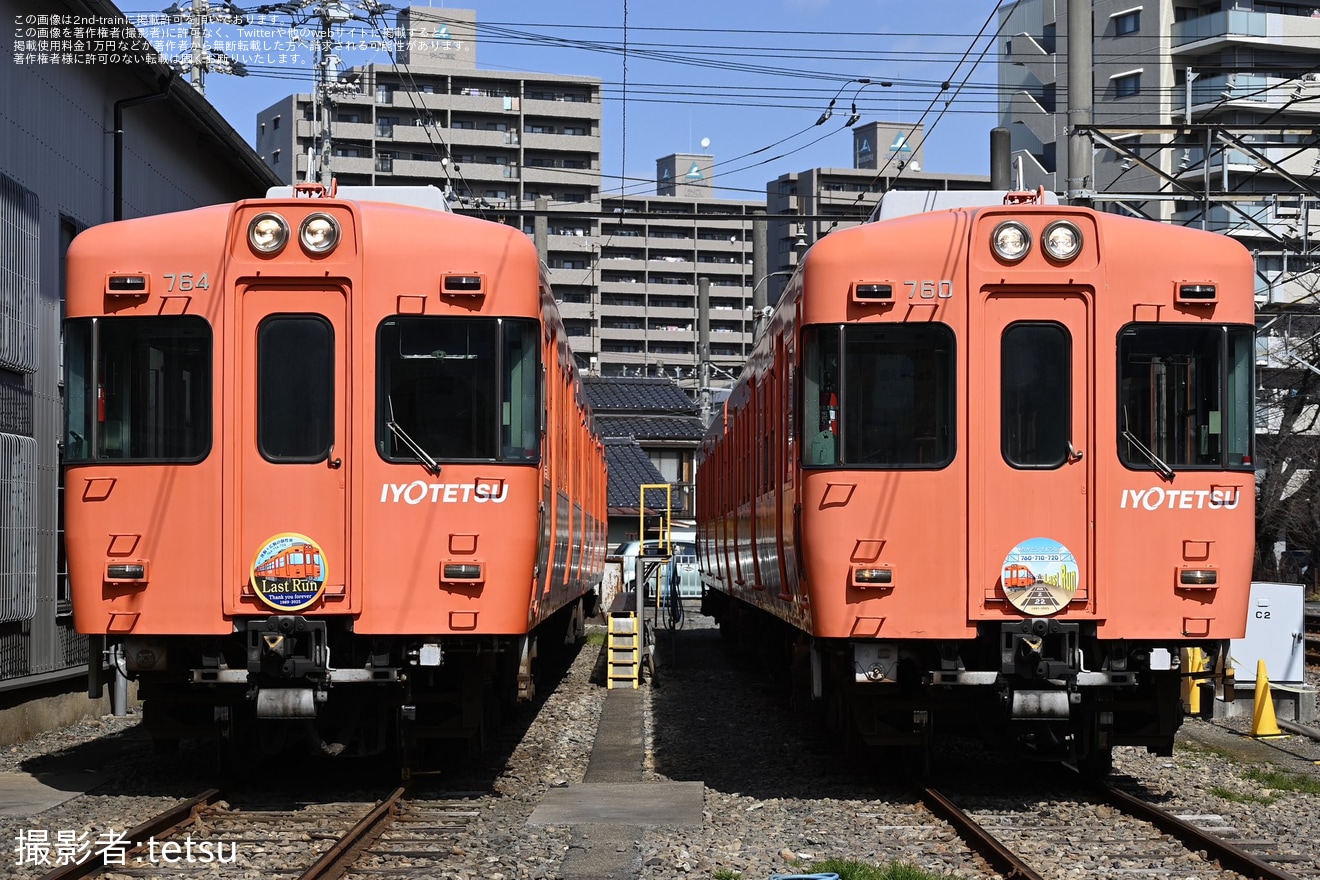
1154,459
415,448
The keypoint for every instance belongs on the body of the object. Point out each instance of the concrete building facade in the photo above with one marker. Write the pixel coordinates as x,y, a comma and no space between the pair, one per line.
86,142
1233,82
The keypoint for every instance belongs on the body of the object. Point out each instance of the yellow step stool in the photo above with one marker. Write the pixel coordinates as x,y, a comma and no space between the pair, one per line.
623,651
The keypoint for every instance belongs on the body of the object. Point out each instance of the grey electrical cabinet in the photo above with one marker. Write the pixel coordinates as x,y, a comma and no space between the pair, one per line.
1276,633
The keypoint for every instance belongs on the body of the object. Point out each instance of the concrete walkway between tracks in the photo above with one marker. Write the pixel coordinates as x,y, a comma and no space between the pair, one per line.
612,806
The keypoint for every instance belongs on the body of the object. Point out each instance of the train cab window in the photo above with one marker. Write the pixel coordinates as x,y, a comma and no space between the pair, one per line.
138,389
1186,394
1035,396
878,395
458,388
295,388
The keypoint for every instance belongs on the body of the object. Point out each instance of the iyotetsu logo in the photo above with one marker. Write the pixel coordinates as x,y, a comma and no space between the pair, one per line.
418,492
1159,498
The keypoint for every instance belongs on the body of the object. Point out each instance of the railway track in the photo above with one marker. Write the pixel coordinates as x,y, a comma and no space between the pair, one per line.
400,833
1113,819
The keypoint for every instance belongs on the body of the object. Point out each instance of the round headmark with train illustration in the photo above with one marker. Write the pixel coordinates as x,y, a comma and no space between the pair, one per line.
1040,576
289,572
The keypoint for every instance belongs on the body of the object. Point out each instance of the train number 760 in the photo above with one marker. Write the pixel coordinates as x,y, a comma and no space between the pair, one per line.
942,289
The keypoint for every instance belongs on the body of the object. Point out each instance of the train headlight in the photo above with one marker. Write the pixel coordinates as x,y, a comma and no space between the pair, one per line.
268,233
319,233
1011,241
1062,240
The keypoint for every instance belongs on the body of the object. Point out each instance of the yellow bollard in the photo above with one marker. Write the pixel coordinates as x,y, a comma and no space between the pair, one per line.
1193,662
1263,722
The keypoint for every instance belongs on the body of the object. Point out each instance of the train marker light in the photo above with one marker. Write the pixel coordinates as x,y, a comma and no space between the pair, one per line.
873,291
872,577
127,285
126,571
1062,240
1011,240
1199,293
463,285
1198,578
319,233
461,571
268,233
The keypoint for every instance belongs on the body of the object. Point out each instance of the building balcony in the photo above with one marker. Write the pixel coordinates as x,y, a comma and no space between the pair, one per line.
1285,218
352,165
542,174
1211,32
622,311
471,103
622,333
1249,91
349,131
586,110
571,143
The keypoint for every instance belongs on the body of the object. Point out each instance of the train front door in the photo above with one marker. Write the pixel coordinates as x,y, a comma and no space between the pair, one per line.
1030,375
291,428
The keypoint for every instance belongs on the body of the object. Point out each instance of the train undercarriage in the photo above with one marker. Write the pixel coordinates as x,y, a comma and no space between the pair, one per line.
287,683
1045,688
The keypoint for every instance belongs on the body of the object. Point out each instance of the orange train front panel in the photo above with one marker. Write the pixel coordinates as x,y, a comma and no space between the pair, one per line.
452,553
309,453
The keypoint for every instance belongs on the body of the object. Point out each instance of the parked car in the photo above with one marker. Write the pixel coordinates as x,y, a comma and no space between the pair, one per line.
685,560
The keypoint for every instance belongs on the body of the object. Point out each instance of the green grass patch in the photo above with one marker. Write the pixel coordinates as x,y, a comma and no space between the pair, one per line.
596,637
853,870
1201,748
726,874
1282,780
1238,797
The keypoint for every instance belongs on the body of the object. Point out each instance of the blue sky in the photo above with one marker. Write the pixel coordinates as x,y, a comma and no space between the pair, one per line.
745,74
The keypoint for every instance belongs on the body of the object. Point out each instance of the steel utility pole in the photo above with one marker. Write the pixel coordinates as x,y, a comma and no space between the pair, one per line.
202,60
1081,171
703,345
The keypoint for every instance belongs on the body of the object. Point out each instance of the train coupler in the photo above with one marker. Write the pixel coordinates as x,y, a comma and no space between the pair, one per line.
288,647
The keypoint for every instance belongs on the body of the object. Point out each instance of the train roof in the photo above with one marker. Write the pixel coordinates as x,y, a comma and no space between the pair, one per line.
423,196
903,203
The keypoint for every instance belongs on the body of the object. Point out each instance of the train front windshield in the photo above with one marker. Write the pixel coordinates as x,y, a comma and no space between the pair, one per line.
459,388
1186,393
137,389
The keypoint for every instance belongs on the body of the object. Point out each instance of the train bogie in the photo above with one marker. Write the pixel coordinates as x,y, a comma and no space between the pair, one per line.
328,461
994,466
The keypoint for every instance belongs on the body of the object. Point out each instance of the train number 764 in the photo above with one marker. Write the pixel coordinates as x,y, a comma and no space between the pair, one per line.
942,289
186,281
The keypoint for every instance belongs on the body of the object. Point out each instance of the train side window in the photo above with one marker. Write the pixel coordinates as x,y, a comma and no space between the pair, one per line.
295,388
138,389
1186,394
820,396
1035,394
520,423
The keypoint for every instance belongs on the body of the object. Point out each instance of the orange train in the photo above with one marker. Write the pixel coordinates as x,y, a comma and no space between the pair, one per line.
328,461
948,402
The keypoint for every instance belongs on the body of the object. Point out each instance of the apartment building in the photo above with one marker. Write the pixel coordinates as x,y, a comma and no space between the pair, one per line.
497,141
652,253
1238,78
805,206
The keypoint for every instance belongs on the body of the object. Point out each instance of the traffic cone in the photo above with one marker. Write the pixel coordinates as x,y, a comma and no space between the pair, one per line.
1263,722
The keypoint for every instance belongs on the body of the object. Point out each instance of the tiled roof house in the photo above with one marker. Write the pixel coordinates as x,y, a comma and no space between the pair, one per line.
651,430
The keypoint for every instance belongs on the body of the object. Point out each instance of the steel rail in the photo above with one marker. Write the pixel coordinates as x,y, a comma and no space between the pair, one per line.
1194,838
335,861
1000,858
175,818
